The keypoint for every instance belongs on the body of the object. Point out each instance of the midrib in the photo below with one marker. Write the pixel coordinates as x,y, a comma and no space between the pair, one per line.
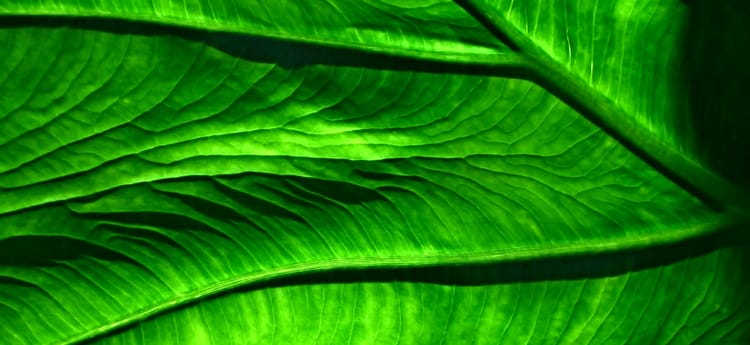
602,111
721,223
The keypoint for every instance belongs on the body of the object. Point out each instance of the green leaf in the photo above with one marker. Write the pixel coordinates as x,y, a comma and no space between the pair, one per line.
360,172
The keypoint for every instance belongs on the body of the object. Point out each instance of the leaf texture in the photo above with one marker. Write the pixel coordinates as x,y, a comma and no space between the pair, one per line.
480,310
414,28
630,51
344,172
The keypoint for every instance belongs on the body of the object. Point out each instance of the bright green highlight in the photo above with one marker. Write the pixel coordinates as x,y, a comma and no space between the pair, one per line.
354,172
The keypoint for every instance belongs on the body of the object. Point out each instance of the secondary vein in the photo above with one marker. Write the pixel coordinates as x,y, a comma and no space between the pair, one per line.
601,110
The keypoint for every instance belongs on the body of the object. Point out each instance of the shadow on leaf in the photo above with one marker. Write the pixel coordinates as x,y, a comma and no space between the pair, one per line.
717,83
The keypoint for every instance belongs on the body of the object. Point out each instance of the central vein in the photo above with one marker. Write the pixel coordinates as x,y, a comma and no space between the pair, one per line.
601,110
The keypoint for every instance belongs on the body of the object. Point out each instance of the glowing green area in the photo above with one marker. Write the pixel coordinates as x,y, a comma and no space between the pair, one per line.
365,172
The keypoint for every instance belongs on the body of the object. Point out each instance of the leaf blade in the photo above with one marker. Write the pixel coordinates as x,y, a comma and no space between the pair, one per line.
215,180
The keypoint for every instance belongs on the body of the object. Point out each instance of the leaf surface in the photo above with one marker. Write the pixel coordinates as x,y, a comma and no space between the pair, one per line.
245,172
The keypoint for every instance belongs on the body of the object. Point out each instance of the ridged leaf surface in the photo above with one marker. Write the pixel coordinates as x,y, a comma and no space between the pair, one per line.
359,172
